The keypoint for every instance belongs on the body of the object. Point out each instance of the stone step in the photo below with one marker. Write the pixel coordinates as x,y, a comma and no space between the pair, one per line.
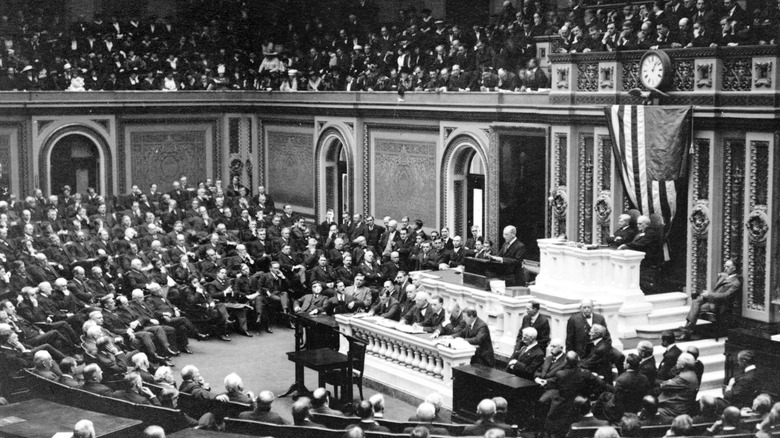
653,331
668,314
711,380
670,299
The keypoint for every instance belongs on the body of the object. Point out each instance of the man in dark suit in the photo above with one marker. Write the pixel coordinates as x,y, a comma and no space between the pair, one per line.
678,393
578,328
262,411
68,366
583,407
536,78
545,375
719,301
134,391
598,354
571,382
486,411
743,387
647,365
366,413
625,232
92,377
454,325
534,319
477,333
647,241
435,315
426,413
313,303
527,359
666,367
630,388
513,251
388,307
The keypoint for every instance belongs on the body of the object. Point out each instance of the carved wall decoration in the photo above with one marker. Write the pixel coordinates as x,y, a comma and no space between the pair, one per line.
683,75
558,221
407,168
603,208
560,203
103,123
165,156
607,77
351,127
448,130
700,220
6,169
737,74
704,75
22,149
757,226
236,166
631,76
234,139
733,199
289,153
248,166
700,214
763,74
587,77
43,124
563,78
603,186
460,208
585,211
260,153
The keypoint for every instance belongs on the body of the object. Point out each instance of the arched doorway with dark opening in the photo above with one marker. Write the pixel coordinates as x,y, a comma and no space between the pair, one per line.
74,161
334,175
464,194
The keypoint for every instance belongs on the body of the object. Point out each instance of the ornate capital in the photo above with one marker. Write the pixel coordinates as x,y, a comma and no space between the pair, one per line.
757,226
603,208
700,219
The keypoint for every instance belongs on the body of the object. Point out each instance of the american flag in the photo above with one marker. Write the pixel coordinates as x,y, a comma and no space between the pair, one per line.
650,144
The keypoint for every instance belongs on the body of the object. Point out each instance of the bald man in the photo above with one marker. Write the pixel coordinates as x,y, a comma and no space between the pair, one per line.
624,233
262,411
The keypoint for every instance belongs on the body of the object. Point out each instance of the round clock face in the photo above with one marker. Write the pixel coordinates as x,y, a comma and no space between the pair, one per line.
652,70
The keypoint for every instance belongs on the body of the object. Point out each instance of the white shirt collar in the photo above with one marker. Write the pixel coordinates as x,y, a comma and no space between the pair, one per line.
750,368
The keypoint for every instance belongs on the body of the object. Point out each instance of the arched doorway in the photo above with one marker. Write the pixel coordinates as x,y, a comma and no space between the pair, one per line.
465,193
336,179
74,161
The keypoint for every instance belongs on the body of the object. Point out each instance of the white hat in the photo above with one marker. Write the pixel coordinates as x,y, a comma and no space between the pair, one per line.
66,66
27,68
292,72
357,47
221,68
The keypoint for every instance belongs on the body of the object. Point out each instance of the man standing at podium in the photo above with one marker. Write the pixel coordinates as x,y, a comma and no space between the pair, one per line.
513,251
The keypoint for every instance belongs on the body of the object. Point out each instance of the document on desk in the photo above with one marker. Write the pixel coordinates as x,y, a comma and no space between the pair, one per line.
454,343
411,329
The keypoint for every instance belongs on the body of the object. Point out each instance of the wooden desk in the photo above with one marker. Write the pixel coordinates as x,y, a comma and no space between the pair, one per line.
322,331
473,383
320,360
43,418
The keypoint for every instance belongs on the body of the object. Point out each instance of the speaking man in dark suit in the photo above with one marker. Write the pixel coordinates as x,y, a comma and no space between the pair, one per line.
718,301
578,327
513,251
528,358
534,319
478,334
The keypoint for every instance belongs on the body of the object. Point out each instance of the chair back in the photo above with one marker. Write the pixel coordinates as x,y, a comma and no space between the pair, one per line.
258,428
357,354
334,421
654,431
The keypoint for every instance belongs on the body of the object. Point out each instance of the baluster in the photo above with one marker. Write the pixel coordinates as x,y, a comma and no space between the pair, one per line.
423,362
438,368
375,342
431,364
396,352
370,341
409,357
402,354
383,347
416,361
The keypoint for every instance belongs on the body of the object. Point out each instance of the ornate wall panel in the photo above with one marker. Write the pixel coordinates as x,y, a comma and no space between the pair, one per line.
290,164
20,171
405,179
159,157
758,225
559,201
737,74
734,199
585,172
604,204
7,170
700,213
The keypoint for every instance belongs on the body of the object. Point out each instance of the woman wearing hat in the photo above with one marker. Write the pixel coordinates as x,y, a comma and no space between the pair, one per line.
291,82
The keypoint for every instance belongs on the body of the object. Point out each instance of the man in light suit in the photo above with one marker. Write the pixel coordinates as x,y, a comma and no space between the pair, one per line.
513,251
718,301
578,328
478,334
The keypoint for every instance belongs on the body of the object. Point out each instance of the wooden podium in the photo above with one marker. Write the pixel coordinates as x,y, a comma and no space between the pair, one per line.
479,272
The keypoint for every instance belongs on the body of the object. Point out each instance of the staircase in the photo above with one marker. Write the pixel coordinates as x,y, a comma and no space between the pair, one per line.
669,311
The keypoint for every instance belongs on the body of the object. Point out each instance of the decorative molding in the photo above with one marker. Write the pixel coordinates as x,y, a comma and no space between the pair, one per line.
563,78
103,123
737,74
603,209
587,77
122,167
456,154
585,207
704,75
323,151
607,75
763,74
448,130
700,220
351,127
631,76
102,144
367,128
260,153
43,124
683,75
558,224
733,198
491,186
757,224
24,159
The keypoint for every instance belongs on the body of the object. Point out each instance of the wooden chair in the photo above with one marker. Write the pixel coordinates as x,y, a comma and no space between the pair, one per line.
334,421
354,371
399,426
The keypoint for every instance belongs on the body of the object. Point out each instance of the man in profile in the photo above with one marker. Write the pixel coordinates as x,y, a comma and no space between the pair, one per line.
300,413
718,301
625,232
579,325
